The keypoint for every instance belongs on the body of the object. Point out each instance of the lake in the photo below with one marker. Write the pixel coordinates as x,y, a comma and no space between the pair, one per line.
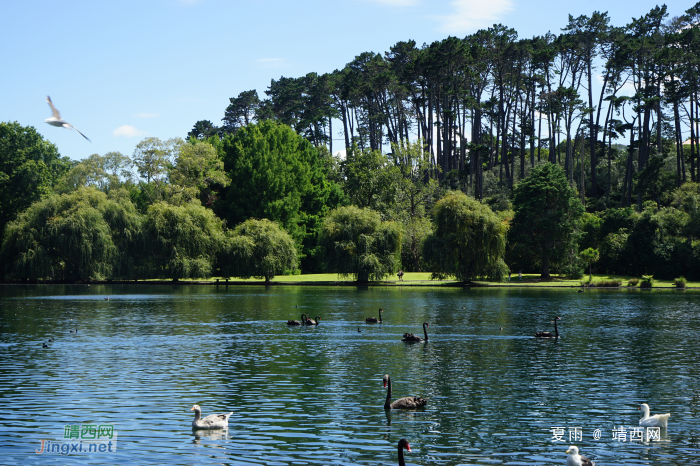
313,395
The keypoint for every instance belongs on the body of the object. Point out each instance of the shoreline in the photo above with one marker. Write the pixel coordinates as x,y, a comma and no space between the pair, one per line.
343,283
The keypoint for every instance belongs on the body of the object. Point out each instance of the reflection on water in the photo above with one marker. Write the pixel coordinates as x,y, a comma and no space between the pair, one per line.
313,395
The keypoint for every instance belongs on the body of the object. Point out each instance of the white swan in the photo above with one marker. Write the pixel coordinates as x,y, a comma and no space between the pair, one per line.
657,420
575,459
213,421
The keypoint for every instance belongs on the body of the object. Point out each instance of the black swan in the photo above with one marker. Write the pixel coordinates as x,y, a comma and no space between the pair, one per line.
213,421
51,339
411,338
44,345
313,322
296,322
403,443
408,402
549,334
374,320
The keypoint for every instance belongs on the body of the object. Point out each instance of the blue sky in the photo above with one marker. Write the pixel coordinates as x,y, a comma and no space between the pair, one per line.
123,71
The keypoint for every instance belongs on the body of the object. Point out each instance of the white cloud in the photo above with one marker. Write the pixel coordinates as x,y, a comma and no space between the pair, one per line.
470,15
146,115
128,131
271,62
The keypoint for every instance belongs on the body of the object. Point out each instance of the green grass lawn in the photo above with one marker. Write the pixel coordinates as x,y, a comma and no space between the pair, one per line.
423,279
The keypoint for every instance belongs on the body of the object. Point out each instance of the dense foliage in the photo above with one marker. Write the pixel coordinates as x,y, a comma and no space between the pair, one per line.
358,243
469,241
278,175
547,221
260,249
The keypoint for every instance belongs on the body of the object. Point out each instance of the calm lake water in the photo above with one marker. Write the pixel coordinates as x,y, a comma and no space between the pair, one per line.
313,395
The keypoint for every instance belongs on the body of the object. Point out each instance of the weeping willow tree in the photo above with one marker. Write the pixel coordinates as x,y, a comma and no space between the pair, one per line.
260,249
358,243
181,241
71,236
468,242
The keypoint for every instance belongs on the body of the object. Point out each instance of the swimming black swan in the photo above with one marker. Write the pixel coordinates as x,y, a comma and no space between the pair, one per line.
44,345
403,443
374,320
313,322
296,322
411,338
549,334
408,402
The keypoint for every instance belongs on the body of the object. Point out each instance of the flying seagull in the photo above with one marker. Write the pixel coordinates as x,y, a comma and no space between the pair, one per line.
55,120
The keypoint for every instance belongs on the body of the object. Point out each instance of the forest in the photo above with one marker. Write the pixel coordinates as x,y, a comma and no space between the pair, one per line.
465,157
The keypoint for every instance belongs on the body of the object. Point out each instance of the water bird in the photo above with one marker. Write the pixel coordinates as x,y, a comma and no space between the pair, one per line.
213,421
374,320
408,402
411,338
549,334
296,322
358,330
107,298
56,120
51,340
403,443
74,331
312,321
575,459
657,420
44,345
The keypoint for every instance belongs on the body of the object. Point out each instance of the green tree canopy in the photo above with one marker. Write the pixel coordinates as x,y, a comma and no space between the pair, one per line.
358,243
195,174
29,167
182,241
260,249
469,240
278,175
546,224
79,235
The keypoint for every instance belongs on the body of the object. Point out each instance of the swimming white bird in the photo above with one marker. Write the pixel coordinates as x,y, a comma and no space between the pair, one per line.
213,421
657,420
56,120
575,459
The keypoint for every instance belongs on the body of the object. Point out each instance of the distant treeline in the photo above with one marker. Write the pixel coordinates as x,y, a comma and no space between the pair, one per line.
465,157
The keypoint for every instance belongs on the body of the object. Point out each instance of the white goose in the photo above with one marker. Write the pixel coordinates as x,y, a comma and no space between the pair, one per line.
575,459
657,420
213,421
56,120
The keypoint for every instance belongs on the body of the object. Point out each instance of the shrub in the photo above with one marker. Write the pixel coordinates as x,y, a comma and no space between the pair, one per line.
609,283
647,281
633,282
680,282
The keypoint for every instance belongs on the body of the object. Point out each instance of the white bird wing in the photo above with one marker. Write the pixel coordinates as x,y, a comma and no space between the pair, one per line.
53,109
68,125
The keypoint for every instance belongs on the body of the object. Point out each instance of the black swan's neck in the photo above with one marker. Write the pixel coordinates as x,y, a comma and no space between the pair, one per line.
425,331
387,403
380,316
401,460
556,330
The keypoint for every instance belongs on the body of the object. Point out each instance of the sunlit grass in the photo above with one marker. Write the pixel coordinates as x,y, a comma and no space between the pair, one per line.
423,278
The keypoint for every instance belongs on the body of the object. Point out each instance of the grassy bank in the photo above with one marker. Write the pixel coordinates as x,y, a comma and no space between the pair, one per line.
423,279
